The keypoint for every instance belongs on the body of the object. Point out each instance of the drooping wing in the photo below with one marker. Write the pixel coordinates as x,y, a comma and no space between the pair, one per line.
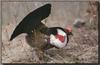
32,20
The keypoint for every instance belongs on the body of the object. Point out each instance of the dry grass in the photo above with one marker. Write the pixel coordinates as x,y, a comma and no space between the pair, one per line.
82,47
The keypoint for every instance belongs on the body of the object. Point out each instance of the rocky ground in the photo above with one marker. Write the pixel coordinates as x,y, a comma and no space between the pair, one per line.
82,47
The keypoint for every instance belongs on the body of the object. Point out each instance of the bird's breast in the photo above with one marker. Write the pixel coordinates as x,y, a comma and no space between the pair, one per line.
60,37
58,41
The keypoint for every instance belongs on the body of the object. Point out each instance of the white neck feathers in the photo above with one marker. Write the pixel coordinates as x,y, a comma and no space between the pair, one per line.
56,42
60,32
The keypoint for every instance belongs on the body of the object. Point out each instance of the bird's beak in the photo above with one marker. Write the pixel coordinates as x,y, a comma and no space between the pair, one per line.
70,33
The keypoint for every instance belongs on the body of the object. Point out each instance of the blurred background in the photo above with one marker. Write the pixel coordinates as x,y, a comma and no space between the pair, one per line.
81,16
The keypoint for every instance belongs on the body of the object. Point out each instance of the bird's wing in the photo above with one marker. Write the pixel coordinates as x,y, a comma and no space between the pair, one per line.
32,20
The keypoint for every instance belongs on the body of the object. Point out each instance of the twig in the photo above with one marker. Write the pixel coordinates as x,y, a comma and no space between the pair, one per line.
61,58
51,58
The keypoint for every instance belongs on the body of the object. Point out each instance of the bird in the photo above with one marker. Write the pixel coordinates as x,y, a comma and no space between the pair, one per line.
38,34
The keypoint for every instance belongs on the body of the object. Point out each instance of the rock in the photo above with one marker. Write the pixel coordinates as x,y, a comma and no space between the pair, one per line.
78,23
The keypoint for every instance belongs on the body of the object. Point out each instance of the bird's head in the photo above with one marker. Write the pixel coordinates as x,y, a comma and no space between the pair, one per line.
69,31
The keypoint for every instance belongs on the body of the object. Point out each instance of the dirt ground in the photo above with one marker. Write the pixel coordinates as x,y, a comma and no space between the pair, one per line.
82,46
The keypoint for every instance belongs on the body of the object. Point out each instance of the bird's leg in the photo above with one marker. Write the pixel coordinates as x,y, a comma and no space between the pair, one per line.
40,55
